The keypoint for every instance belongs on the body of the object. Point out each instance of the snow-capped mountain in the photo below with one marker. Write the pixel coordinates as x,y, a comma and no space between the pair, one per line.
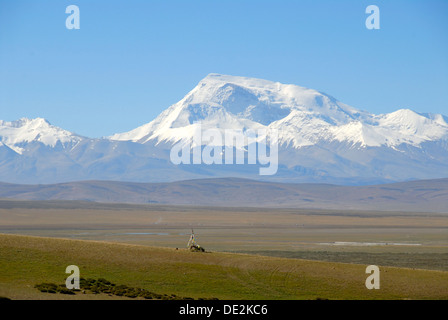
303,117
18,134
320,140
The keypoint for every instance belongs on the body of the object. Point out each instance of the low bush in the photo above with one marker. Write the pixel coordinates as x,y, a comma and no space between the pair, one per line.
104,286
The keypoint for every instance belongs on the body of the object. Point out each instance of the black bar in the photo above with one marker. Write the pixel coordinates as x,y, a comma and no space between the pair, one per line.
221,309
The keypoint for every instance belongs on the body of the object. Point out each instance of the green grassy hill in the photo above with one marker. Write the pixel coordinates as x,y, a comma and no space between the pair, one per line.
26,261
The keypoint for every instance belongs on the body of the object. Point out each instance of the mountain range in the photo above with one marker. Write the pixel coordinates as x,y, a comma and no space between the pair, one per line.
320,140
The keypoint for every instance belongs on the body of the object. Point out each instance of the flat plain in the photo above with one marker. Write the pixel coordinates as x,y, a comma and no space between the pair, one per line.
252,253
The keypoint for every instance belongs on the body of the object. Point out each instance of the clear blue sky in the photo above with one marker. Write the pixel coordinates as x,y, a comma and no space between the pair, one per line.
132,59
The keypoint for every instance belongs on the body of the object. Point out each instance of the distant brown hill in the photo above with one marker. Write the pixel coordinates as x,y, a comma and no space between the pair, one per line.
422,195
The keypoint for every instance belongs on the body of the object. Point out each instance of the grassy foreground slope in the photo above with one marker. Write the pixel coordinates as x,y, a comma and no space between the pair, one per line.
26,261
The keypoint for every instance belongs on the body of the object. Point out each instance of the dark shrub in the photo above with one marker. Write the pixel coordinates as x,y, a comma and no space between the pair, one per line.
64,290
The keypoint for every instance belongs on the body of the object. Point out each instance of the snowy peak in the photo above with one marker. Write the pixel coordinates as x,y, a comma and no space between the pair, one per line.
302,116
392,129
265,101
15,134
412,128
230,102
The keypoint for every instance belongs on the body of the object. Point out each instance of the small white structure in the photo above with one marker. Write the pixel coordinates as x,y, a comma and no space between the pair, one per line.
192,244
